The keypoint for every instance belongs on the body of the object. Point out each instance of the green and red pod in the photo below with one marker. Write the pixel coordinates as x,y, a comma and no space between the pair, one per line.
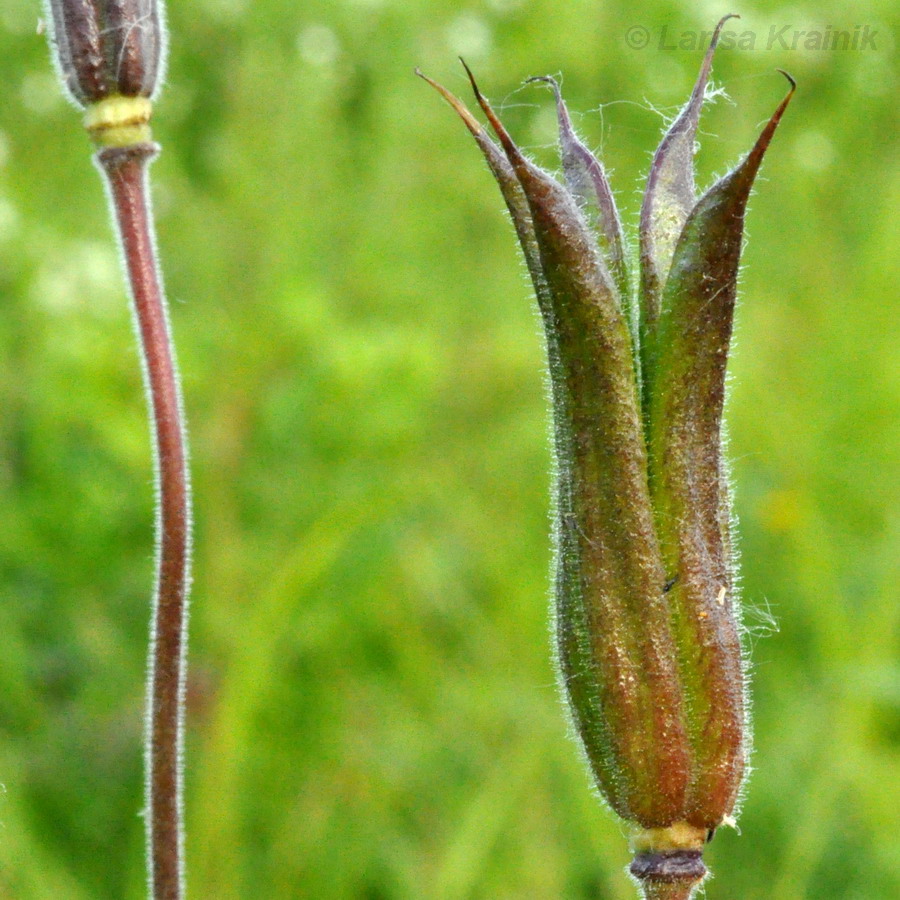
647,636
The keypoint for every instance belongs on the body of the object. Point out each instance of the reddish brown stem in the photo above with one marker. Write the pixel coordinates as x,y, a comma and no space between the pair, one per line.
126,174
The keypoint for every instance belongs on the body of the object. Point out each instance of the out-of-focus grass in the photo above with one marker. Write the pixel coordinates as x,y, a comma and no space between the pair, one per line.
373,710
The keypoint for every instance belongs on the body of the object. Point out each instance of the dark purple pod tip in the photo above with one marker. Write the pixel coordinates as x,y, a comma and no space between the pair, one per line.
105,48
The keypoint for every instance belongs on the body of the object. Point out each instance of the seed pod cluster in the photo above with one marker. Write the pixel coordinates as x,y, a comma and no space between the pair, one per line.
647,634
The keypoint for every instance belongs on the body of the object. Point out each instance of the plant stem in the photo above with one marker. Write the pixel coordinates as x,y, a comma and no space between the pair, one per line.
125,171
672,890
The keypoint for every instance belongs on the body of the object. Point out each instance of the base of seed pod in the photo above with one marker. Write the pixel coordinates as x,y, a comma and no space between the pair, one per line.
668,874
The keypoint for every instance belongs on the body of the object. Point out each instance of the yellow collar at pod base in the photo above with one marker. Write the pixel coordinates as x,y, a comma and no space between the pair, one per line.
119,121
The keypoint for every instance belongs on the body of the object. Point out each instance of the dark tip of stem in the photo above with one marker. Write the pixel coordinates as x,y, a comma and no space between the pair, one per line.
790,78
669,866
754,158
512,151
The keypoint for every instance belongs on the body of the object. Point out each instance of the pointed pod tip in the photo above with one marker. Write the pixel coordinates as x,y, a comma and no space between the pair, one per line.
717,31
465,65
790,78
748,168
713,43
776,116
670,192
470,121
706,67
769,130
723,20
687,120
475,89
562,112
512,151
546,79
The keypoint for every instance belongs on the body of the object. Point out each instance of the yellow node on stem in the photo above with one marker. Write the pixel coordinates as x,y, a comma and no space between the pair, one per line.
679,836
119,121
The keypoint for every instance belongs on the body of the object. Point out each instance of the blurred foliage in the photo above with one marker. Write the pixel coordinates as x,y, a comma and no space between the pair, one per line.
373,710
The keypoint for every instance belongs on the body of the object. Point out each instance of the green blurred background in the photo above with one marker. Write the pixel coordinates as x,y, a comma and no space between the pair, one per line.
373,711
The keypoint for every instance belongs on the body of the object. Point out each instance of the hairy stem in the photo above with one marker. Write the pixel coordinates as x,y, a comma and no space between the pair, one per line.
668,890
125,170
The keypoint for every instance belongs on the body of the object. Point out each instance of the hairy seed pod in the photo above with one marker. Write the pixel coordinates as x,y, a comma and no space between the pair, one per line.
110,56
646,623
108,47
